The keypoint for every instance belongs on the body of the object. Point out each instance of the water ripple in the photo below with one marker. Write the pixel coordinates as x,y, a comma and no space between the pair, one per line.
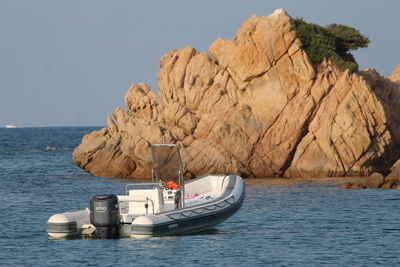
298,224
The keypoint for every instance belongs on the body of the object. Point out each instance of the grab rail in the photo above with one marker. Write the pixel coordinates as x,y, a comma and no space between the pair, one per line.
223,180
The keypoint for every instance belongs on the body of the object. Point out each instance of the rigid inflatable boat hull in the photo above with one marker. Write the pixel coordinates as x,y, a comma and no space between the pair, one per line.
195,218
184,226
68,224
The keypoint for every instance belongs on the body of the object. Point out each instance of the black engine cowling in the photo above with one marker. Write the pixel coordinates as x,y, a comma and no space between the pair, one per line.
104,215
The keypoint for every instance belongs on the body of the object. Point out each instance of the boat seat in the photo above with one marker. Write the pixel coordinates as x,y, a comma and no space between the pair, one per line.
144,201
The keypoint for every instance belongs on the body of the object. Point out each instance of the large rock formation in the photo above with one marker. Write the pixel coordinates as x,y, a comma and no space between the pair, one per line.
257,107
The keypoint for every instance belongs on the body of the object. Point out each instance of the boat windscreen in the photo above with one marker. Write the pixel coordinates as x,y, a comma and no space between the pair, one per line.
167,165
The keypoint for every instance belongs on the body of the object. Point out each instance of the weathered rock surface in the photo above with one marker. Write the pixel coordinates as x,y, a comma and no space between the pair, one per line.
346,185
394,174
395,76
377,180
257,107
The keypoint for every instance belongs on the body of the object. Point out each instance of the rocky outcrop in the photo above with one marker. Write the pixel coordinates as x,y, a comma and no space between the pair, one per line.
377,180
394,174
395,76
255,107
374,181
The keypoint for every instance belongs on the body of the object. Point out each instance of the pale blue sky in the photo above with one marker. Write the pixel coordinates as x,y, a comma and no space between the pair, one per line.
70,63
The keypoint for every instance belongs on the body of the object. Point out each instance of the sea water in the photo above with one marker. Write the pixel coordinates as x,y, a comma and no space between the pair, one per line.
300,224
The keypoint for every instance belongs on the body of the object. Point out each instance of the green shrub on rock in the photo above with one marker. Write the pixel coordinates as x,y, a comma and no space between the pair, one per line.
332,42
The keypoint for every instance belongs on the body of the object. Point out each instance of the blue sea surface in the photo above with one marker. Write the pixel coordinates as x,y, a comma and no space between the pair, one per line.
298,224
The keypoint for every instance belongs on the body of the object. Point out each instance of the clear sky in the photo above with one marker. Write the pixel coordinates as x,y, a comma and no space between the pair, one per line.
70,63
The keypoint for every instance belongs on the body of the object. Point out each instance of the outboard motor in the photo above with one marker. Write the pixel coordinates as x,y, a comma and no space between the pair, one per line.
104,215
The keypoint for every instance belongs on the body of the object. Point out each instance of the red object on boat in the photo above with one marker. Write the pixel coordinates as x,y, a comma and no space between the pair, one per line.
172,185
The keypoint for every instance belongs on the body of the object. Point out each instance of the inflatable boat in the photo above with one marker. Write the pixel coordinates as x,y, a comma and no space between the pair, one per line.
166,206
